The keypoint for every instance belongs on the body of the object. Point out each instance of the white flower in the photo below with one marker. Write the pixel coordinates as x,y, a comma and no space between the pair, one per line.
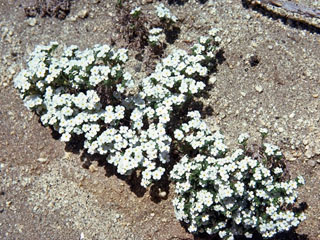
192,229
248,235
300,180
178,134
135,11
65,137
156,31
213,31
263,130
243,138
222,234
164,13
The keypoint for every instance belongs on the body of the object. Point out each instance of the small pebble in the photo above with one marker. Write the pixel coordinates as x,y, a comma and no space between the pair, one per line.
73,18
162,194
212,79
92,168
312,163
82,236
259,89
243,94
32,22
83,13
292,115
42,160
309,153
137,67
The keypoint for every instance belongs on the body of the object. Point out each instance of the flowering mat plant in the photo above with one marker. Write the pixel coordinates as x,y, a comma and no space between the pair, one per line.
137,125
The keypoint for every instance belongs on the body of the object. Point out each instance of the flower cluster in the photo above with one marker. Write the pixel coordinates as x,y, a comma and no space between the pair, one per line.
85,93
243,138
157,33
196,136
263,132
63,91
164,14
235,194
135,12
176,78
155,36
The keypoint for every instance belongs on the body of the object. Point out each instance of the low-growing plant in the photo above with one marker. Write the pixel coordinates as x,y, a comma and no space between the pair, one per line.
85,93
132,25
79,93
165,14
88,94
138,30
167,23
156,37
232,194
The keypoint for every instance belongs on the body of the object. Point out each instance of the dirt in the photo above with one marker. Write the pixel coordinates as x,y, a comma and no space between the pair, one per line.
269,76
52,8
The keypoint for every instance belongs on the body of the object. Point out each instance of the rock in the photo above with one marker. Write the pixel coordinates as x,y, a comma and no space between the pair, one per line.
210,3
259,89
93,168
4,33
32,22
312,163
42,160
137,67
213,11
73,18
82,236
83,13
243,94
162,194
212,79
289,156
67,155
309,153
292,115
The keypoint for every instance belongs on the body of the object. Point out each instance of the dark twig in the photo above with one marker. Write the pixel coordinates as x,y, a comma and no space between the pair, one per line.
293,7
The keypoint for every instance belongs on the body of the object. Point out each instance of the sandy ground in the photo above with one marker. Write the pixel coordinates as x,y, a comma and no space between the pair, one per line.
270,77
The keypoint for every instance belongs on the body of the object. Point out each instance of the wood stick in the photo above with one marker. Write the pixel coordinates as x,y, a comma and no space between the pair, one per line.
294,7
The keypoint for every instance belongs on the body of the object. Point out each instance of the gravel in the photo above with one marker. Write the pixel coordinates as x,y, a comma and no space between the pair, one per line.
268,77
